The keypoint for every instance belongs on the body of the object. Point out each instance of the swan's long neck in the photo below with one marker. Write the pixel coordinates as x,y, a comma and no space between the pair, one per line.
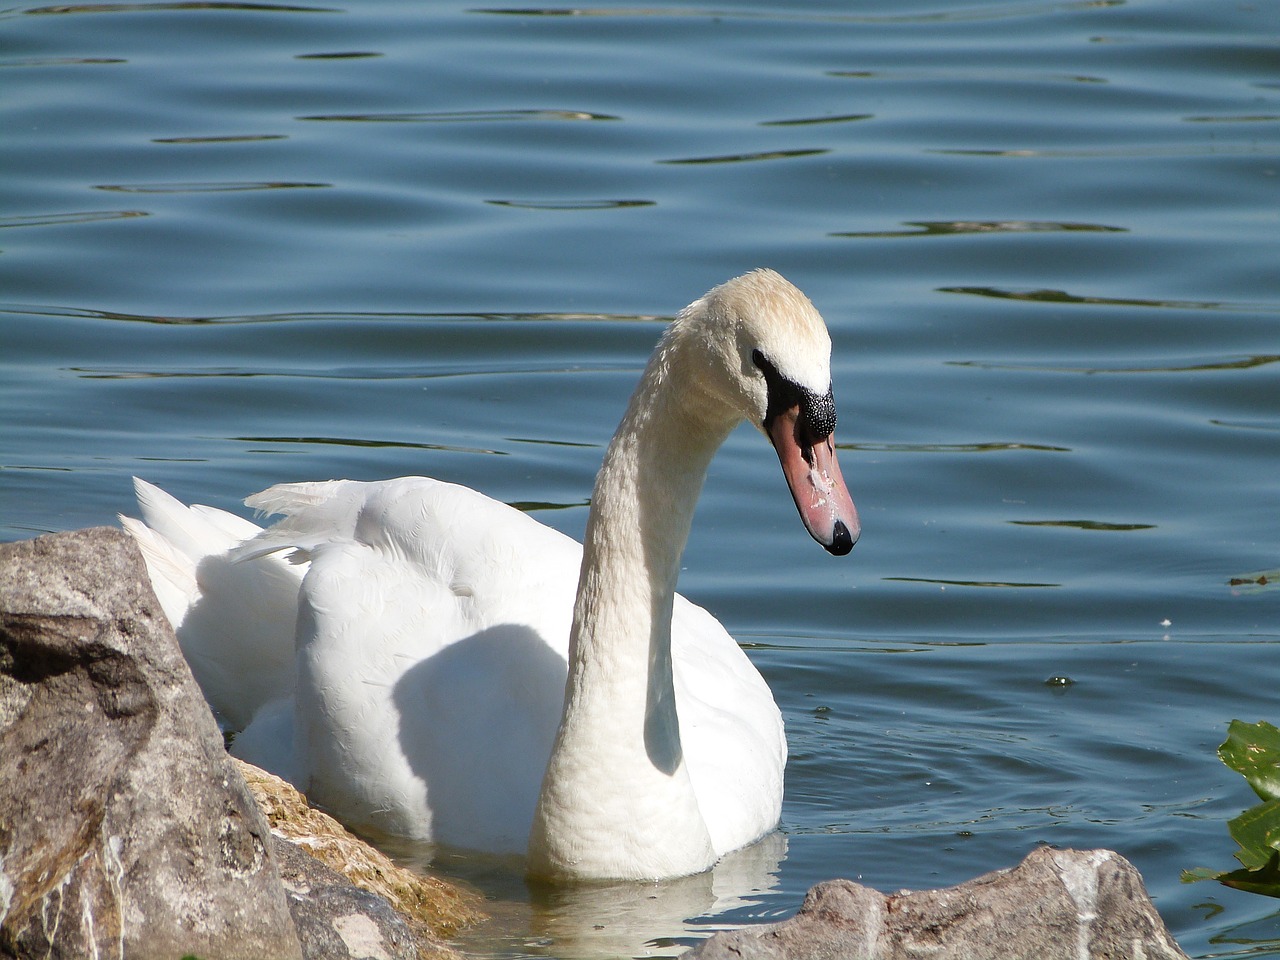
617,801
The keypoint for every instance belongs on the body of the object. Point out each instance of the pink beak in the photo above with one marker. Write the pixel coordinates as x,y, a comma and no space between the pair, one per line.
813,474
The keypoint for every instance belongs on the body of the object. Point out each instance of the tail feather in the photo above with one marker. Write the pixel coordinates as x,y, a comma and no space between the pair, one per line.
235,620
311,515
172,572
238,528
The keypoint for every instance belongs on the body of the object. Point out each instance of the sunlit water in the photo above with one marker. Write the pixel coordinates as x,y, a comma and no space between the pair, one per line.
251,242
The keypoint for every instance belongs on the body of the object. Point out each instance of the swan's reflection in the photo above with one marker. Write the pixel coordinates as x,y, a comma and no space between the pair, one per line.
601,920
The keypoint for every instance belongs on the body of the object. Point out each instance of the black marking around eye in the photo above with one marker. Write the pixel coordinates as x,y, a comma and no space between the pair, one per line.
817,413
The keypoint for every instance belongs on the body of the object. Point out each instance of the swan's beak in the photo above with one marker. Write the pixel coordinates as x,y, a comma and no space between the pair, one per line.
813,474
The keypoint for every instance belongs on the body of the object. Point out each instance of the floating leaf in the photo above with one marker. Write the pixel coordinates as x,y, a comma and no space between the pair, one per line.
1264,880
1196,874
1253,750
1257,830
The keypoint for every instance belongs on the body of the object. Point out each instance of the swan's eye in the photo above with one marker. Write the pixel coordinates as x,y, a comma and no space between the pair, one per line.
817,413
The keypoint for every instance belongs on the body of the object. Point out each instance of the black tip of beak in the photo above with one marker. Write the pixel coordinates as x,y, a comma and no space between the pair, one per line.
842,540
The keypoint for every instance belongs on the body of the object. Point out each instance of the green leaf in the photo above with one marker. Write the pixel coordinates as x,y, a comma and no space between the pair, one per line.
1196,874
1264,880
1253,749
1257,830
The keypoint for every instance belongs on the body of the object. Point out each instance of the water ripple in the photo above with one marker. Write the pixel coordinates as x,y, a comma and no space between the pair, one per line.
959,15
1085,525
970,583
222,138
950,447
339,55
229,186
1062,296
1138,152
571,204
37,310
58,61
1247,118
956,74
181,6
942,228
750,157
461,116
359,442
814,121
56,219
1155,366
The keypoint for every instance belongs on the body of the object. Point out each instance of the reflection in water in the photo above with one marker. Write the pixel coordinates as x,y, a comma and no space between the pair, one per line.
228,138
1122,153
1062,296
953,75
618,919
949,447
1239,363
1246,425
1254,118
811,121
355,442
229,186
749,157
185,5
54,219
339,55
571,204
1084,524
941,228
553,443
58,61
461,116
969,583
359,374
35,310
957,15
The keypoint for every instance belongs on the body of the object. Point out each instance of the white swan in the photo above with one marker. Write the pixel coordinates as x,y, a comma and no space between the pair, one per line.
428,696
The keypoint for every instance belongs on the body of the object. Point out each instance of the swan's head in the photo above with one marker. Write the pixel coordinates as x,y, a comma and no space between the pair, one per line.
767,355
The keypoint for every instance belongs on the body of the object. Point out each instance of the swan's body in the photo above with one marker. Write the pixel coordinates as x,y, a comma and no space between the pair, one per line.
447,685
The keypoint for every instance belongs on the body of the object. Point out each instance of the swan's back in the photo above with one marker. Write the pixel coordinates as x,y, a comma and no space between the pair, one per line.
432,627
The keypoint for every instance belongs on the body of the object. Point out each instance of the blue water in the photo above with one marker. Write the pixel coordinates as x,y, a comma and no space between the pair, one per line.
247,243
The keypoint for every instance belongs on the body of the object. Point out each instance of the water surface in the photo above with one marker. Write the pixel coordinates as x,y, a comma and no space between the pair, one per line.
246,243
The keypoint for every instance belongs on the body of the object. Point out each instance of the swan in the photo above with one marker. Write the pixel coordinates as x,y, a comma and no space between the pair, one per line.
426,662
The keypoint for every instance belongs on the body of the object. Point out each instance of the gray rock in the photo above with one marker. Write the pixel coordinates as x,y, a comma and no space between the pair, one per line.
1067,904
338,921
121,831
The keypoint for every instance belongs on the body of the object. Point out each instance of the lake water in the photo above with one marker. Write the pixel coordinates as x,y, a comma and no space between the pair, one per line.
257,242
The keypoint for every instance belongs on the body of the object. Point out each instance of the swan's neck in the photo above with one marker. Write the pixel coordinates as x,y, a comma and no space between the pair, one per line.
617,801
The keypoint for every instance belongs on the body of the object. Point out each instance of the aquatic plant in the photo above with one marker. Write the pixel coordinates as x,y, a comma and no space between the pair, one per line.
1253,750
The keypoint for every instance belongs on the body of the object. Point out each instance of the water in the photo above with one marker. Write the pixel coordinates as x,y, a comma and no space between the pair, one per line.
251,242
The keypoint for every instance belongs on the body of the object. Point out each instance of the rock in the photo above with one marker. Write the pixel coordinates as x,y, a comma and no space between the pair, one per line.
125,830
122,833
431,908
338,921
1067,904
